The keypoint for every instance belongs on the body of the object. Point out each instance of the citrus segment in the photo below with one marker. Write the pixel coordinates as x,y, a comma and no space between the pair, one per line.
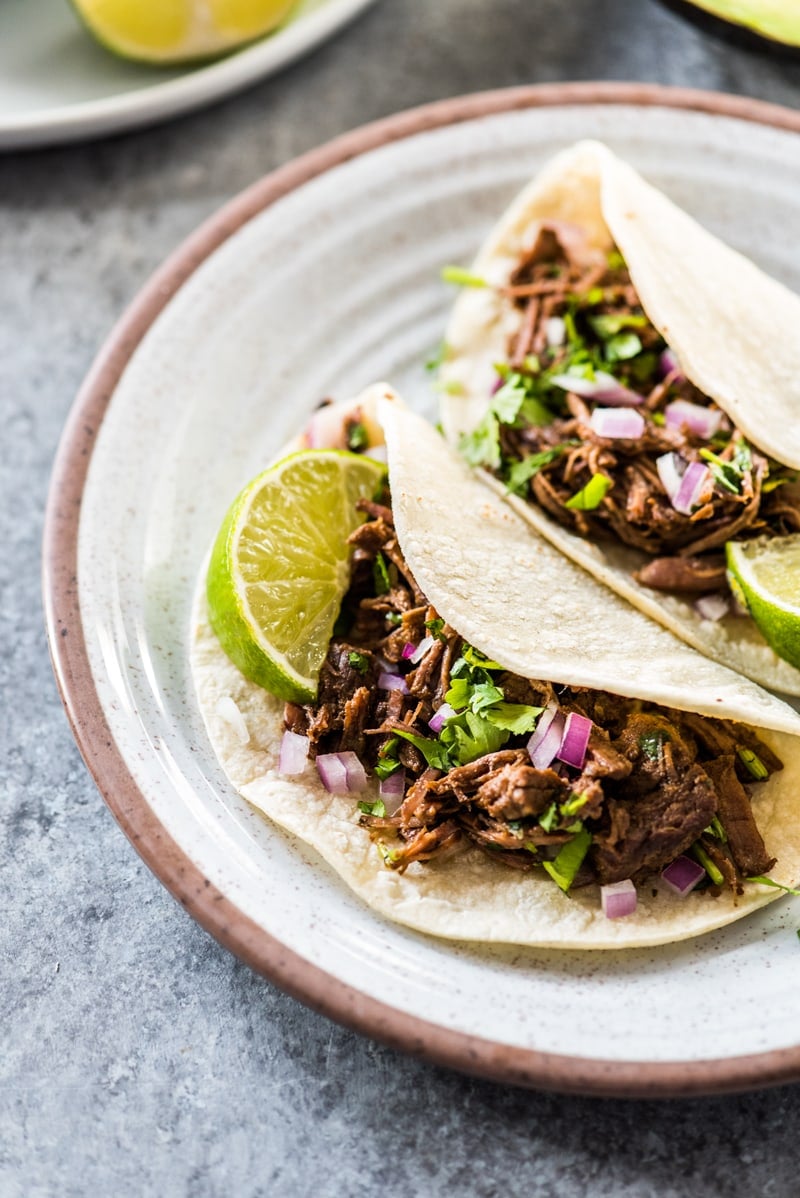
178,30
766,572
280,566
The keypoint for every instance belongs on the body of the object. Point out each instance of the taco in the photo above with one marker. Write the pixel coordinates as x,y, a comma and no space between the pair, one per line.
482,763
632,386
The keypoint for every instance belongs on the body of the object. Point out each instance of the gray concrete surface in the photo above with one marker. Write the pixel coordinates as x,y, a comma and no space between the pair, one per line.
136,1057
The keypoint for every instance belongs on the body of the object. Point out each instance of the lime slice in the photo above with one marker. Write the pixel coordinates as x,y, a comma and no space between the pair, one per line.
766,574
178,30
280,566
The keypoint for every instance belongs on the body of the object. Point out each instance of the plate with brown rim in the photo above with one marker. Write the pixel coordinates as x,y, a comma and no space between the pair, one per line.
322,278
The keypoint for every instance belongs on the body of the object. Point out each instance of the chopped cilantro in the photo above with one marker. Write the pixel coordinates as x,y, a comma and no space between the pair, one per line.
563,870
754,764
549,817
449,387
389,857
615,260
438,357
380,575
524,470
515,718
434,752
478,660
461,277
769,882
377,808
481,447
658,418
434,627
470,736
357,436
358,661
393,618
652,744
622,347
590,496
610,324
730,475
574,804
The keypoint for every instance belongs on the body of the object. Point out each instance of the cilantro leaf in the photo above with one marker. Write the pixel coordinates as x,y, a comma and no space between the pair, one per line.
380,575
357,436
481,447
377,808
769,882
564,869
434,751
470,736
590,496
524,470
621,347
434,627
358,661
515,718
607,325
477,659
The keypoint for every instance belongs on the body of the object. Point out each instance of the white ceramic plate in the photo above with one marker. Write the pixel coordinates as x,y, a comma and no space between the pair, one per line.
57,85
329,282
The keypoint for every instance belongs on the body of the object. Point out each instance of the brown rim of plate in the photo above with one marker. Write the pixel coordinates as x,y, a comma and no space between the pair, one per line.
168,861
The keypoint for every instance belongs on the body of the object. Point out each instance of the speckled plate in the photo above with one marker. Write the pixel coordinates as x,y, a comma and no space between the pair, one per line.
58,85
318,280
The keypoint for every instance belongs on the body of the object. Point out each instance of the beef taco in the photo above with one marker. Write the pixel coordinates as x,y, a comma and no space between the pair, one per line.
478,763
632,386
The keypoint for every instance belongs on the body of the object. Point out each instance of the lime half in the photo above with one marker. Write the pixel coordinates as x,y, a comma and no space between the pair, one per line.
767,573
178,30
280,566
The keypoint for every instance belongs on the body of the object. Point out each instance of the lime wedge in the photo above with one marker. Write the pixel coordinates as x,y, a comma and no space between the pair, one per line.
280,566
178,30
765,572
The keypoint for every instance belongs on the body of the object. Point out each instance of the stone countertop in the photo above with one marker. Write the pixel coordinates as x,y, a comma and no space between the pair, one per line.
137,1056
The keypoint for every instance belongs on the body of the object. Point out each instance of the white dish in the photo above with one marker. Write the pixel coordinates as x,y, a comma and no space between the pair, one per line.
57,85
333,285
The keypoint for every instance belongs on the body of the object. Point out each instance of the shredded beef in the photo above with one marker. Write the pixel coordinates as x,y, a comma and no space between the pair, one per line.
650,785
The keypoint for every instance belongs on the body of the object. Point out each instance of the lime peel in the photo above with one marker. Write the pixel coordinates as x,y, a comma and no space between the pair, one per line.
280,566
765,572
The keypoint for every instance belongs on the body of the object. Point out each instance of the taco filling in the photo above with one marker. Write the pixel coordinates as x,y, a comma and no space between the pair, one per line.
593,420
582,784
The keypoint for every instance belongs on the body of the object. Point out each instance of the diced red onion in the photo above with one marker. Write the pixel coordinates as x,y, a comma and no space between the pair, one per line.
617,422
392,790
572,750
618,899
712,607
341,773
702,421
392,682
682,875
692,486
555,331
229,711
546,739
442,715
671,468
422,648
409,649
293,754
602,387
668,364
378,452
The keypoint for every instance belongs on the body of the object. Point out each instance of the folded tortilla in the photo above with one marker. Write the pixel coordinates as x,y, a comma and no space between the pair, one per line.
733,329
474,559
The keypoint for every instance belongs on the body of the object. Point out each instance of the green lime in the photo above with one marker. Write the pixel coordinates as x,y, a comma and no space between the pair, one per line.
280,566
181,30
766,573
